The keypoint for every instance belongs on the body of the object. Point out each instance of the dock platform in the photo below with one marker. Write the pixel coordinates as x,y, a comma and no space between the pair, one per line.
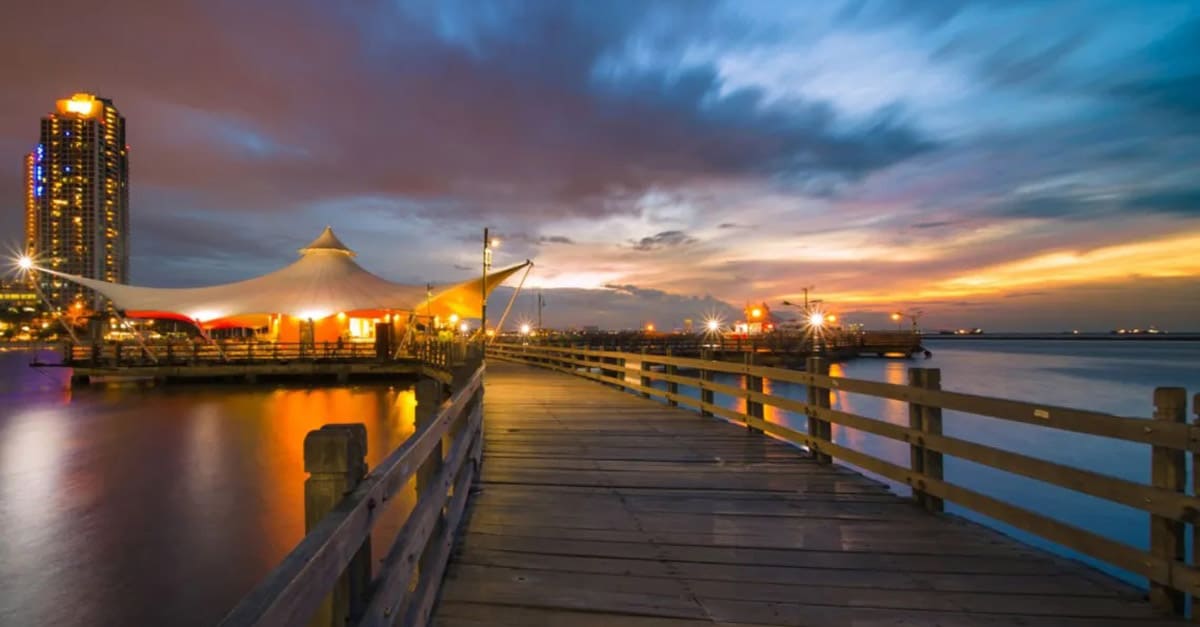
597,507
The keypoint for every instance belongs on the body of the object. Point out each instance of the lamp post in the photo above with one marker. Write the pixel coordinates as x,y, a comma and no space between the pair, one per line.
487,265
897,317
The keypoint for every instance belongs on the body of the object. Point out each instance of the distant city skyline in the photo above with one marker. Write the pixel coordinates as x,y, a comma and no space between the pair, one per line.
1011,166
77,197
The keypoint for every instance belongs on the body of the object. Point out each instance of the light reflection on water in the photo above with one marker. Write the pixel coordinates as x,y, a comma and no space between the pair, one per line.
1112,377
129,505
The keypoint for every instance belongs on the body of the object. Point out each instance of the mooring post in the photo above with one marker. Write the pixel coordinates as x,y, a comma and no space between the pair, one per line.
754,384
672,386
1168,471
818,398
928,420
706,394
644,380
334,459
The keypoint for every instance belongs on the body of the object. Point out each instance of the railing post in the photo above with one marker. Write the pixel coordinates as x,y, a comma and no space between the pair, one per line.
1168,471
754,408
1196,490
672,387
927,420
333,457
706,394
644,380
818,398
429,399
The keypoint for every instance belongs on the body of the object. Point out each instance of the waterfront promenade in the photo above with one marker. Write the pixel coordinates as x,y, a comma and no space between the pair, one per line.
597,507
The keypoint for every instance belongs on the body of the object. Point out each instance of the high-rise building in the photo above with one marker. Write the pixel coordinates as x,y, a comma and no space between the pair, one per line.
77,198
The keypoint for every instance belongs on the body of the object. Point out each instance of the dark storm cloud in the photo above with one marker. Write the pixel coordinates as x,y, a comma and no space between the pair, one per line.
498,107
665,239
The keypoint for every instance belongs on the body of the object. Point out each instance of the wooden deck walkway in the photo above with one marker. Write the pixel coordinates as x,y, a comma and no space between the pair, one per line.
596,507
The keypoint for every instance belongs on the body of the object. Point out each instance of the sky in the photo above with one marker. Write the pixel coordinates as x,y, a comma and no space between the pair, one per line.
1011,165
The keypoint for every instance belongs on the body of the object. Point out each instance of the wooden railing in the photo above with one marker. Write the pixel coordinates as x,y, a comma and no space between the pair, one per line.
1171,439
326,580
833,341
126,354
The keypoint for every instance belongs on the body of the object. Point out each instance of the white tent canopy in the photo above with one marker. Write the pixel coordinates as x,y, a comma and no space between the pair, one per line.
324,281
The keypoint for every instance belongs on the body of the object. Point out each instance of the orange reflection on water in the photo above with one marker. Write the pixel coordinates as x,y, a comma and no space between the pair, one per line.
291,413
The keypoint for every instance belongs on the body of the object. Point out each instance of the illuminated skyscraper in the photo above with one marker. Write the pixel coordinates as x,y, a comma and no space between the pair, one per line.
77,197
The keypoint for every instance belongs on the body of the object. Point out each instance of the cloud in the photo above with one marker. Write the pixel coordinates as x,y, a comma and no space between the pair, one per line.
665,239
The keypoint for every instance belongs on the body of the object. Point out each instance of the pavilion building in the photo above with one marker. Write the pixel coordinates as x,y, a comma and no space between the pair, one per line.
323,296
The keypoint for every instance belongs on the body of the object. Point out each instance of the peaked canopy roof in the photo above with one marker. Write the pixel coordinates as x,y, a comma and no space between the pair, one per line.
324,281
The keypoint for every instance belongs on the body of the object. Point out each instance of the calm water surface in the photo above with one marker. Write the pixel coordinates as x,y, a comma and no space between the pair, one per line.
130,505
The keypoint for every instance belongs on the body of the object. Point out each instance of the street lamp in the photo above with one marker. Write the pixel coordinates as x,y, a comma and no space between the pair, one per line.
897,317
525,329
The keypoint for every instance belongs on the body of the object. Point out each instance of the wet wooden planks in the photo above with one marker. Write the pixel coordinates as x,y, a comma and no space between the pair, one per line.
596,507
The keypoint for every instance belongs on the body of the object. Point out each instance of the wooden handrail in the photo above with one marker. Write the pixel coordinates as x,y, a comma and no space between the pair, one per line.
1169,435
297,587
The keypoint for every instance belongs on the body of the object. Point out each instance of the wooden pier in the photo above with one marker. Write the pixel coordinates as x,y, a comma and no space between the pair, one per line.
593,505
598,508
253,362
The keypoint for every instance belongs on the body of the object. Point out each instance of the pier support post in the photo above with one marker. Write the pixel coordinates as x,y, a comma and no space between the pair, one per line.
333,457
927,420
672,387
1168,471
818,398
644,380
754,384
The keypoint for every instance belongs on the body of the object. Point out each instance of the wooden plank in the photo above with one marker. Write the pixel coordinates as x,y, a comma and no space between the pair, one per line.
567,584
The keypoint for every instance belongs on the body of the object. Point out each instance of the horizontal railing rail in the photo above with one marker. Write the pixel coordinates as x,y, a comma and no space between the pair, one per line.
1168,434
835,340
326,579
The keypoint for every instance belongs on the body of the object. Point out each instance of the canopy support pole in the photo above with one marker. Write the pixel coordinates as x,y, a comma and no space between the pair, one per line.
513,299
409,331
37,287
204,334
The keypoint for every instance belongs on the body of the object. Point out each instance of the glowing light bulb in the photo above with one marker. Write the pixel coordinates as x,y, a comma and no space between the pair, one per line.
25,262
816,319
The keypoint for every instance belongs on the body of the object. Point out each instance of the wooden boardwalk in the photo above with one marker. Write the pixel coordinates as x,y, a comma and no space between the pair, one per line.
596,507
